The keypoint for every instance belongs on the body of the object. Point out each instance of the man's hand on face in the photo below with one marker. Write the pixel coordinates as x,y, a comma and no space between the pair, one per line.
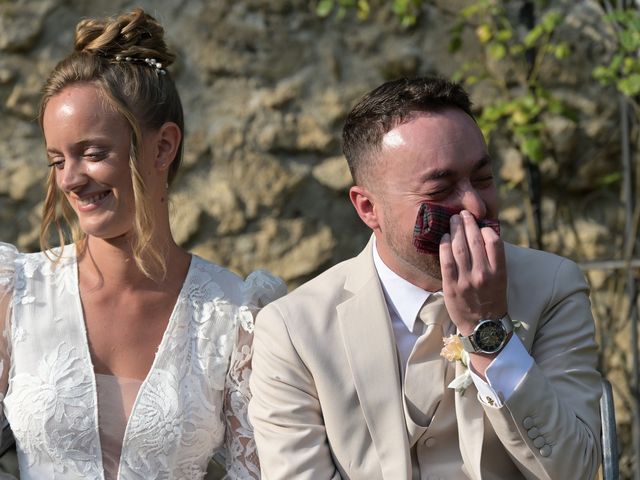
474,274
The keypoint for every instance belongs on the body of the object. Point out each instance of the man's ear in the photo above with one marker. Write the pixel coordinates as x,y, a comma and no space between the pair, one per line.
169,137
365,204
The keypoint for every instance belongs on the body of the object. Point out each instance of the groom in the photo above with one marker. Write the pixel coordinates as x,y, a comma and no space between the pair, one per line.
348,381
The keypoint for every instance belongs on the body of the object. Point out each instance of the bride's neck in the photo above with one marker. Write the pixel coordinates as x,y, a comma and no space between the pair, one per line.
112,263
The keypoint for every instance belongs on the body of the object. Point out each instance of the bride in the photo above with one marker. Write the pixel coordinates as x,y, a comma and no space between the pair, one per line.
123,356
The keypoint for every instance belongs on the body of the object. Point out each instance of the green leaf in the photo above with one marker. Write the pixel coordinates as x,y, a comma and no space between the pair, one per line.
603,75
610,179
629,65
516,50
630,86
562,50
458,76
409,20
550,21
529,101
471,80
616,62
497,50
324,8
628,41
489,115
504,35
527,129
556,106
470,10
533,36
400,7
363,9
483,32
532,148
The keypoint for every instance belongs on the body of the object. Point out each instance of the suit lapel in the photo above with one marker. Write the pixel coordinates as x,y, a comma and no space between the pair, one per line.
369,343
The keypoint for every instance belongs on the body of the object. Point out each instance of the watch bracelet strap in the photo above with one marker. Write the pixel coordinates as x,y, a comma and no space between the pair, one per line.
507,323
468,344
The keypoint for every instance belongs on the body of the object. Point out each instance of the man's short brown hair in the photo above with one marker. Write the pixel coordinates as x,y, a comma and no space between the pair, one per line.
390,105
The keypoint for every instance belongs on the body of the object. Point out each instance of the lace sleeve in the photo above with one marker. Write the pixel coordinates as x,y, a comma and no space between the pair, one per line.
242,462
8,256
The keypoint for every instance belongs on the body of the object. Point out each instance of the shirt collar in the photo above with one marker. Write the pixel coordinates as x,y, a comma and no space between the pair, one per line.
403,296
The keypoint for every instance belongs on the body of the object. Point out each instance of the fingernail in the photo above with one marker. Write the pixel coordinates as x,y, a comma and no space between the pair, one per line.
445,238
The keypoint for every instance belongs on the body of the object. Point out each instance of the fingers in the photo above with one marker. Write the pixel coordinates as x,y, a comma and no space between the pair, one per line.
454,254
473,239
494,248
474,247
447,262
473,267
470,247
459,244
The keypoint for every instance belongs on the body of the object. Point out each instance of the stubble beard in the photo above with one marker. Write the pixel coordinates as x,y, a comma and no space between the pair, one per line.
402,247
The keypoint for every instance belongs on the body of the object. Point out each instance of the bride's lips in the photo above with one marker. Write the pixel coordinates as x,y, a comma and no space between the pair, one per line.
88,203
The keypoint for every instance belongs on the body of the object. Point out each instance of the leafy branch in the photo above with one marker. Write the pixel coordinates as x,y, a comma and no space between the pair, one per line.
407,11
623,70
522,54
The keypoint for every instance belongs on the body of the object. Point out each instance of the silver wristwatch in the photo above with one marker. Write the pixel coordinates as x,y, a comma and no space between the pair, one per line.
489,336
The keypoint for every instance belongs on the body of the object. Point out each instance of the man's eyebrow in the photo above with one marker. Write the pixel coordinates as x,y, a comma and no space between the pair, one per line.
437,175
483,162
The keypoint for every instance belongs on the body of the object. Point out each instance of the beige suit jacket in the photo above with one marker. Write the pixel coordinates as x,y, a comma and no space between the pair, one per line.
326,386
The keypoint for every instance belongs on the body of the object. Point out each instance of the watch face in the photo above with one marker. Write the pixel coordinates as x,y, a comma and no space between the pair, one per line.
489,336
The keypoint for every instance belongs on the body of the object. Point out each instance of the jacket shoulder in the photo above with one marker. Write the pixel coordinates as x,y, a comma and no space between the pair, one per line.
536,274
522,260
325,288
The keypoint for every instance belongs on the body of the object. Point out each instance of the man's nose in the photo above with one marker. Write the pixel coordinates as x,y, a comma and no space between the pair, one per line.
471,201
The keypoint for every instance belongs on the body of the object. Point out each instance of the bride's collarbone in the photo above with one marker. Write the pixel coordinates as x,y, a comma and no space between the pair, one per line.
125,329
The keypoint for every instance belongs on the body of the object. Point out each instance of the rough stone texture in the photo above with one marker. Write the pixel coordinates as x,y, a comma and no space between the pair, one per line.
334,174
21,23
266,85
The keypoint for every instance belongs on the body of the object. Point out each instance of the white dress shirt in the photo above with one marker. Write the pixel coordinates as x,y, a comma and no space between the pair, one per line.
404,301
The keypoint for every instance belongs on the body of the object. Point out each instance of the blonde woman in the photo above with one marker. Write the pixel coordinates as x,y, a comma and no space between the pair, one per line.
123,356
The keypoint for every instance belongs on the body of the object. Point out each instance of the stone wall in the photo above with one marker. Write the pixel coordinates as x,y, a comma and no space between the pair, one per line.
266,85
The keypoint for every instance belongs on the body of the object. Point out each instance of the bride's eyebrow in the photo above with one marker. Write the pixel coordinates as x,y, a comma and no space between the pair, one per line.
84,143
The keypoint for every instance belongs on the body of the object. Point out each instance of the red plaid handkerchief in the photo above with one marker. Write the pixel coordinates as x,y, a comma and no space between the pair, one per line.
433,222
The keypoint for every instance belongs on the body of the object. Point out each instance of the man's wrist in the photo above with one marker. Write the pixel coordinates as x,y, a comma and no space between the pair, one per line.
489,336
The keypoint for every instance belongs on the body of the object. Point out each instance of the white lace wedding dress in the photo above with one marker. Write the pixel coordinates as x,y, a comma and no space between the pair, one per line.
72,424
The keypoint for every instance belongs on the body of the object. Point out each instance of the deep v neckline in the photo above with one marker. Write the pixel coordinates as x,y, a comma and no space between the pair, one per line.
89,361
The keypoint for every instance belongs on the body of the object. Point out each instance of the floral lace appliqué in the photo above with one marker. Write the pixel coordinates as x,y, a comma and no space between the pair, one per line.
57,397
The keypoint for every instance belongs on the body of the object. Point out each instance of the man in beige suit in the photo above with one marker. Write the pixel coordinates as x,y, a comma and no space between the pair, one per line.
348,381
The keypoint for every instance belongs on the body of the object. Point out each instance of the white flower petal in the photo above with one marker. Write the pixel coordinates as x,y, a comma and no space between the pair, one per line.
461,382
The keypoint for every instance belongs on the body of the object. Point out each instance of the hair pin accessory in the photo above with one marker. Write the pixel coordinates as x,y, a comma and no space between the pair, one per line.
151,62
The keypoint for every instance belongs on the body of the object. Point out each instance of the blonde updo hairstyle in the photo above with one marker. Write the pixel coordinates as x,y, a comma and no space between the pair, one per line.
144,95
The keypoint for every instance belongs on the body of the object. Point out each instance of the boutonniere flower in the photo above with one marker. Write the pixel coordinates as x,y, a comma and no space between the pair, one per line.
454,352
